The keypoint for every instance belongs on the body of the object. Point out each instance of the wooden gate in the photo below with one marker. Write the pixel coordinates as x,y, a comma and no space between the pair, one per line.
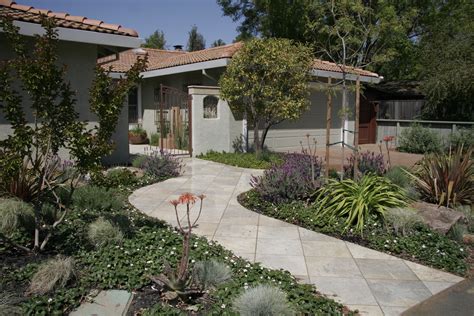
173,121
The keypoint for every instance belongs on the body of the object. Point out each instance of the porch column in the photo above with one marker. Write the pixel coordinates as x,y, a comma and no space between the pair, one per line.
139,104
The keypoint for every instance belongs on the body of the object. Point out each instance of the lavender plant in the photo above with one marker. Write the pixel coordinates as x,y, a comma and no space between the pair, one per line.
292,179
368,162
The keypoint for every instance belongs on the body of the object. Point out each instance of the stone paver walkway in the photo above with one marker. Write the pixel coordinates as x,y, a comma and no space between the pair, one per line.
364,279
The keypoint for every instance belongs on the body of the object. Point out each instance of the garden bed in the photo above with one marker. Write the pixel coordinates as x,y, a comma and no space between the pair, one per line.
423,245
148,243
243,160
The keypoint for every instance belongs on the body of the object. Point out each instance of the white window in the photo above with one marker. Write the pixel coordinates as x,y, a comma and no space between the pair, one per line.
210,107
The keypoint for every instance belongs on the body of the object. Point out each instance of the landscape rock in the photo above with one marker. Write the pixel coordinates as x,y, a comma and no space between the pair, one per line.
438,218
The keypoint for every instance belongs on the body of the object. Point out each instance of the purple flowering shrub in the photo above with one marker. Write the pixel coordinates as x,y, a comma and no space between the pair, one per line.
290,180
369,162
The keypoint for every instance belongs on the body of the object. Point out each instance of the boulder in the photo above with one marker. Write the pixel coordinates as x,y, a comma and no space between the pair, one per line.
438,218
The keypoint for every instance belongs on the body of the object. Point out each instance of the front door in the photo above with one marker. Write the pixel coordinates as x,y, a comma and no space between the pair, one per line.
173,121
367,121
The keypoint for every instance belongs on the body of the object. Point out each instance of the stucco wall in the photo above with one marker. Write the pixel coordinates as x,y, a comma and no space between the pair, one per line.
216,133
286,136
80,60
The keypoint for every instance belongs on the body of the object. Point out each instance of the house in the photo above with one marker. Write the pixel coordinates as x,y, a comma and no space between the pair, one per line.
175,78
81,42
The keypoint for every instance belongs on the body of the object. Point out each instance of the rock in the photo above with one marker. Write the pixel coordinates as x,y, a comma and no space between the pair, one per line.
439,218
468,239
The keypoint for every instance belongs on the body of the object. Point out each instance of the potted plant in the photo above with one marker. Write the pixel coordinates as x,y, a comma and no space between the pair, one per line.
137,135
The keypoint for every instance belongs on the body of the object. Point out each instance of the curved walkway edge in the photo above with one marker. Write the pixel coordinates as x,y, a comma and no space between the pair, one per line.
372,282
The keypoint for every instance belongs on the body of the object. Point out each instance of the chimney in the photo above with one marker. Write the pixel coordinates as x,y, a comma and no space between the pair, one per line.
178,47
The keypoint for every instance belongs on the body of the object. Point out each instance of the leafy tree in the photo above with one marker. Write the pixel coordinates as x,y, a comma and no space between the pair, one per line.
268,81
447,60
30,167
217,43
195,40
155,40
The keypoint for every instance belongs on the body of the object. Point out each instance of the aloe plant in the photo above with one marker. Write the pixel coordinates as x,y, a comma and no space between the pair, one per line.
355,201
446,179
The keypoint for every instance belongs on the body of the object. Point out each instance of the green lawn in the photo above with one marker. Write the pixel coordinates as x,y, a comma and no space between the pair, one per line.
244,160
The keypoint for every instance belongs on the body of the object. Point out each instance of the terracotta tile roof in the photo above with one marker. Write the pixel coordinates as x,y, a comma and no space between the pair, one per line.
160,59
30,14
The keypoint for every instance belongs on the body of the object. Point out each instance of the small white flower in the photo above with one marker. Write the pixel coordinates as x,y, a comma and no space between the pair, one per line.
423,246
226,258
461,249
131,264
172,253
50,300
394,241
108,266
193,261
206,252
245,270
149,261
223,306
146,269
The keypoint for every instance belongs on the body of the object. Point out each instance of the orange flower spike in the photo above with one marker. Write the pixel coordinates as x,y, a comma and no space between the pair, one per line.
187,198
174,202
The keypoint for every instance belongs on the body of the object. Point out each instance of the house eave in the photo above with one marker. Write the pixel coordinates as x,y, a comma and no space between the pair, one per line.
82,36
351,77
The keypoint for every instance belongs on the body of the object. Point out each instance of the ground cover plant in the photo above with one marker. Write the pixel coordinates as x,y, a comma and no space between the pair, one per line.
244,160
147,246
418,243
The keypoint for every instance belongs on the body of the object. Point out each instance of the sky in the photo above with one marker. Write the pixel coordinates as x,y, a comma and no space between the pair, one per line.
174,17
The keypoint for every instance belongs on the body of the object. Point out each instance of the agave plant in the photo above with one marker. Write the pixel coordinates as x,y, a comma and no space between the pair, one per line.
356,201
446,179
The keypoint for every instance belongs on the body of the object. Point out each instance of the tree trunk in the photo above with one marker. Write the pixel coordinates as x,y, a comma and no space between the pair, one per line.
264,135
356,130
343,122
328,127
256,140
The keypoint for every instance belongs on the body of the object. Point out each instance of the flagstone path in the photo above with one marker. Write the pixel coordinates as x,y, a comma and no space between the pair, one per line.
364,279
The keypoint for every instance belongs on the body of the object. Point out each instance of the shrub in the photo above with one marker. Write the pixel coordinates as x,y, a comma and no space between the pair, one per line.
398,176
244,160
262,300
462,137
96,198
446,179
290,180
115,178
15,214
402,220
137,131
356,201
162,166
209,274
369,162
419,140
138,161
9,304
102,232
155,139
54,273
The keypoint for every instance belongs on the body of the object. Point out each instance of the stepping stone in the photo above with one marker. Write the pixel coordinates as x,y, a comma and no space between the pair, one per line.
106,303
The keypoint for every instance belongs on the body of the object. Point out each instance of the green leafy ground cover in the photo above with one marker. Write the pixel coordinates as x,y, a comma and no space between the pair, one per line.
147,245
422,245
243,160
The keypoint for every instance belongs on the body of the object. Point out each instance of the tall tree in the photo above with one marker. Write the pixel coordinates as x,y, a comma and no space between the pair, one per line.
155,40
268,81
218,42
195,40
447,61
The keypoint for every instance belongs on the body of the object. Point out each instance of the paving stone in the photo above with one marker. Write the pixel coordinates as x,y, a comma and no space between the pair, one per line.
400,293
436,287
314,248
360,252
392,310
243,231
385,269
268,221
106,303
268,246
345,290
332,267
285,232
306,234
429,274
295,264
241,245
